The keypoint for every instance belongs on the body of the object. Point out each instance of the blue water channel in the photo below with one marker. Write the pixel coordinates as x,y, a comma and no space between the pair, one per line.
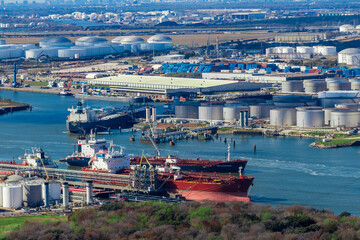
287,171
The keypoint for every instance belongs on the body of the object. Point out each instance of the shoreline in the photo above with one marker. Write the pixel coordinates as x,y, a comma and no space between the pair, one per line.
31,90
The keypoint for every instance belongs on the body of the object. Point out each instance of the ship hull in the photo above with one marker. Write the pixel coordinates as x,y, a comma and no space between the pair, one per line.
78,162
122,121
231,190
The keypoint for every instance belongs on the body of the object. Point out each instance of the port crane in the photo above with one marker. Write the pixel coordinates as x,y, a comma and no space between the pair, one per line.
15,84
68,84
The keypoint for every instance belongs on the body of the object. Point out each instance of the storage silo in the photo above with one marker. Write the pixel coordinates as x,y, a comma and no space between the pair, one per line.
211,112
32,193
325,50
355,85
304,49
351,106
310,117
314,86
232,113
283,117
288,50
187,111
261,110
161,42
12,196
269,51
327,115
292,86
336,85
345,118
54,191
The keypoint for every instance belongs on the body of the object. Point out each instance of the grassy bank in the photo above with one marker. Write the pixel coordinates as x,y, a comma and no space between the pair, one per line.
193,220
340,141
10,224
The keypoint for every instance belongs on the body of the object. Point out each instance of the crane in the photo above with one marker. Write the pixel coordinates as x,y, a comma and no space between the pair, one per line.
15,84
68,85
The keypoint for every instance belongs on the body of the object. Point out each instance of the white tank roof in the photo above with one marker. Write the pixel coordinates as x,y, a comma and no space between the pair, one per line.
160,38
55,40
118,39
93,40
347,26
132,39
350,51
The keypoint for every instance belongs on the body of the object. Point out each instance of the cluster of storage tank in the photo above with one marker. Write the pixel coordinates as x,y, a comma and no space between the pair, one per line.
316,50
213,112
61,47
315,86
17,192
345,115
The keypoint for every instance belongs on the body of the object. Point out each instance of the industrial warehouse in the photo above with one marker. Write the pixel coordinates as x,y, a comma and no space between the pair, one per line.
167,86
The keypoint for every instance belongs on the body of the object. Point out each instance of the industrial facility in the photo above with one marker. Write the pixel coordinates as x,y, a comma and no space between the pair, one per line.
300,52
61,47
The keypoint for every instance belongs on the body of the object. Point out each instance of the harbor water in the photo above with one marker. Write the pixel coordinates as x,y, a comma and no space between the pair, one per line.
286,170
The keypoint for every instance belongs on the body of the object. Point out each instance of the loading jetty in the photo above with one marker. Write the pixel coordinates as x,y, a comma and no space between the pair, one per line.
8,106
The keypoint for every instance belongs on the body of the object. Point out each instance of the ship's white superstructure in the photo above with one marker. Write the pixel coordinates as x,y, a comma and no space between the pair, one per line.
111,161
36,158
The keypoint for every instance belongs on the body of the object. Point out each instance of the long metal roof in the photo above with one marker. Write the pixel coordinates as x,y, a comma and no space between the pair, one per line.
164,81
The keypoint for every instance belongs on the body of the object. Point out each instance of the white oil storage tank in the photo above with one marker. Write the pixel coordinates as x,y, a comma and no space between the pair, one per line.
327,115
292,86
304,49
345,118
309,117
261,110
54,191
283,117
12,196
232,113
32,194
314,86
211,112
187,111
337,85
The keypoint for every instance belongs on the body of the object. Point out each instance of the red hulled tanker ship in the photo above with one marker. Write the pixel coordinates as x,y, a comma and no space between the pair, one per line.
200,187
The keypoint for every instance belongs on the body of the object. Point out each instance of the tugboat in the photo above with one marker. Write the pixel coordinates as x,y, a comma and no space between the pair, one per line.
37,158
64,92
84,120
